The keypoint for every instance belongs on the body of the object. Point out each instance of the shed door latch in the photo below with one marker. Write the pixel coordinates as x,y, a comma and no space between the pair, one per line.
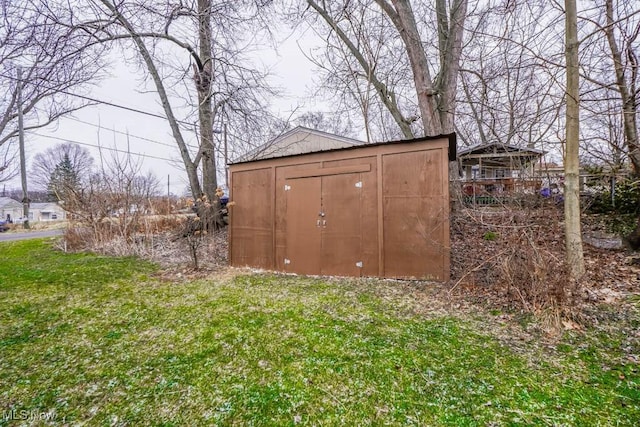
287,261
287,187
359,264
359,184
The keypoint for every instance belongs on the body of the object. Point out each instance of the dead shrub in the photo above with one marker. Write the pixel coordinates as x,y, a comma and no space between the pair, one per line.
194,229
192,232
521,266
112,205
161,223
77,239
533,276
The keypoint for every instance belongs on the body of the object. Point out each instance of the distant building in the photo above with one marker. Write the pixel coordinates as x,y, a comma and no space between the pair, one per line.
46,212
498,161
492,170
11,210
299,140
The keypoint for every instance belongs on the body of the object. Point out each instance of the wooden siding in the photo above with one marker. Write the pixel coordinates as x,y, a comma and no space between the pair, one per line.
380,210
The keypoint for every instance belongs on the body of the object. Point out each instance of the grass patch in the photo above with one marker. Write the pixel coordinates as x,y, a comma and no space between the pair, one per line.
99,340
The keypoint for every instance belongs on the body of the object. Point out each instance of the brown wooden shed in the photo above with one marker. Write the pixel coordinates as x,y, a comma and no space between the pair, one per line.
371,210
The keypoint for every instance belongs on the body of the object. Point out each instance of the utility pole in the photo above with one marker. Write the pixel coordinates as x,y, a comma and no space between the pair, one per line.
23,161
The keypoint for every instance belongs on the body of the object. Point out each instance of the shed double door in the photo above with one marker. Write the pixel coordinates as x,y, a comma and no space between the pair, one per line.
323,231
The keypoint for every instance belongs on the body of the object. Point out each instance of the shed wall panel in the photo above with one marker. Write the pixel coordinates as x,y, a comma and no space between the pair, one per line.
414,215
368,212
413,231
413,174
280,199
252,217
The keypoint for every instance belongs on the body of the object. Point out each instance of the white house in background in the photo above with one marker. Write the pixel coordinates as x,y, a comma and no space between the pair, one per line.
10,209
50,211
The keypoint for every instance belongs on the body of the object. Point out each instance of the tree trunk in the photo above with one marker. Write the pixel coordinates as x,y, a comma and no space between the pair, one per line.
450,33
573,236
450,36
405,22
209,212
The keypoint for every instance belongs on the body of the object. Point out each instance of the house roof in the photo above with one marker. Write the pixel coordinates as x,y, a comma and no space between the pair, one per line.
299,140
6,202
497,154
46,207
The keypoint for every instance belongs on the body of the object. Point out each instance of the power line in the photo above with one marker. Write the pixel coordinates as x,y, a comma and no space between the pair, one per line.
123,107
135,110
127,133
104,148
99,101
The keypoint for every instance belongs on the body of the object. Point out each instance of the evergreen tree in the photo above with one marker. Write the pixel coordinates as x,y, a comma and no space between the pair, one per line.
64,180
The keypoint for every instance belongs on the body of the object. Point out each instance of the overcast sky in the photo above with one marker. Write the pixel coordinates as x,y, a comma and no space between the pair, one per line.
151,137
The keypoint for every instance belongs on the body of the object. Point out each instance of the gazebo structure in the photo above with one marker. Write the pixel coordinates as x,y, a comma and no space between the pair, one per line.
494,168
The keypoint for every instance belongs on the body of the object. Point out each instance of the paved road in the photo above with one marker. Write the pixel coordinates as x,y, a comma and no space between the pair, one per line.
5,237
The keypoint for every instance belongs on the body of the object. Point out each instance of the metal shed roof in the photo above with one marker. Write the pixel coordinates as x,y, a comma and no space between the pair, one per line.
353,144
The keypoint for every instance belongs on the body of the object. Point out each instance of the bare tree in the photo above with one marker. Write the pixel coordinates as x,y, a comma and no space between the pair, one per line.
627,73
210,38
627,80
112,201
360,70
508,91
603,142
54,60
44,163
363,35
435,97
332,123
9,166
611,69
146,186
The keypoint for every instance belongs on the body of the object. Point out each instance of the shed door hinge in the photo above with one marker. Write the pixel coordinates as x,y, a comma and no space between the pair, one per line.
359,184
287,261
359,264
287,187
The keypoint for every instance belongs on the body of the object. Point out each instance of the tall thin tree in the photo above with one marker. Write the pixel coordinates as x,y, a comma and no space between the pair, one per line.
573,236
